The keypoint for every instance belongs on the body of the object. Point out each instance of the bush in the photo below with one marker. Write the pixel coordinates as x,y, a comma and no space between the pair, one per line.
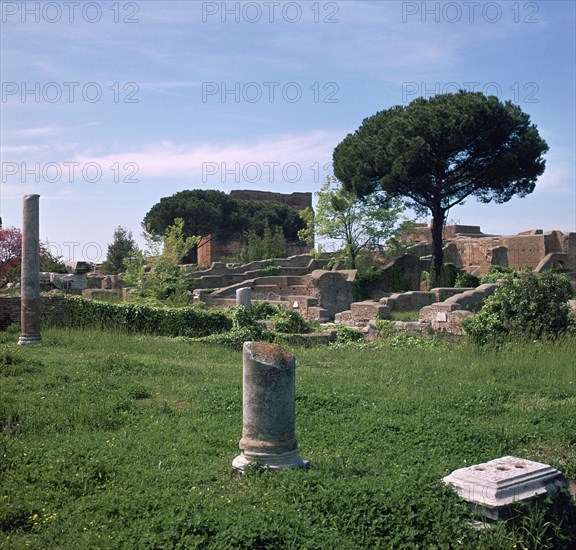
289,321
497,272
269,271
138,318
384,327
447,278
392,279
530,306
466,280
263,309
348,334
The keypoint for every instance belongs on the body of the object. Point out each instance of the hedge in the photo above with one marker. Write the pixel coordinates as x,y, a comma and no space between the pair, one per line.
138,318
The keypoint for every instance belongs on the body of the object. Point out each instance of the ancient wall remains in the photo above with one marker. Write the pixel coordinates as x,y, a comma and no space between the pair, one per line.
212,250
470,249
51,309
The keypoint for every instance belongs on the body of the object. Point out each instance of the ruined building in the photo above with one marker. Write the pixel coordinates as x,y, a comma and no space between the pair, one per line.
213,250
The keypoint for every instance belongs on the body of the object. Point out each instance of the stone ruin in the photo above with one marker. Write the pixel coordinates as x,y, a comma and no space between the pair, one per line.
305,283
442,309
470,249
318,296
212,250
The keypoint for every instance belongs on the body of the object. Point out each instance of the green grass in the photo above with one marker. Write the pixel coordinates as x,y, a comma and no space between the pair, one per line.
115,441
405,315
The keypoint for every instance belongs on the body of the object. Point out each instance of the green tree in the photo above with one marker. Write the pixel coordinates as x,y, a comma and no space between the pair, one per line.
357,222
260,215
122,247
272,244
208,212
176,243
436,152
165,280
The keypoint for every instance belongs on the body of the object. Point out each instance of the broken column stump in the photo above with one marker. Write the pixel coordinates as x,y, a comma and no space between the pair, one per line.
30,272
268,437
244,297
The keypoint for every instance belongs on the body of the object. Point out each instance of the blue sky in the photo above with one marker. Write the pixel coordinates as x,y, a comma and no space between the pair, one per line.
108,106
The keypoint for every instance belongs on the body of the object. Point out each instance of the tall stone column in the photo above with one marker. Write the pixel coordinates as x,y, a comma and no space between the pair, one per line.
30,275
268,409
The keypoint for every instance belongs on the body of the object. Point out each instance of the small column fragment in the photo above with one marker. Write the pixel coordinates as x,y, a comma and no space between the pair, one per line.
268,409
244,297
30,274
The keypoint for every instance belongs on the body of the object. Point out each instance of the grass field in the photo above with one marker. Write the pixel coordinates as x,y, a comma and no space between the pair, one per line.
110,441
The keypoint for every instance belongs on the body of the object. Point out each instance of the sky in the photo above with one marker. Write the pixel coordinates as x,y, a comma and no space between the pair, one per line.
107,107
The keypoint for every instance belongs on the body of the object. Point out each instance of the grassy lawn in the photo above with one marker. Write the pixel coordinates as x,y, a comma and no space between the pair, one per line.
113,441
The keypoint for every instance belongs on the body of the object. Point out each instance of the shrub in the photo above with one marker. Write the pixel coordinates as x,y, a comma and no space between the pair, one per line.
289,321
392,279
285,319
466,280
497,272
530,306
263,309
384,327
139,318
447,278
269,271
348,334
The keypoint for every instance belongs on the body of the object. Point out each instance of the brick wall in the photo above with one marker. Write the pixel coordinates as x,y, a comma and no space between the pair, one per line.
51,309
299,201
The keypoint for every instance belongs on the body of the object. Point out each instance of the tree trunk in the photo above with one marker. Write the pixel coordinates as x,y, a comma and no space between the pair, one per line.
438,217
352,256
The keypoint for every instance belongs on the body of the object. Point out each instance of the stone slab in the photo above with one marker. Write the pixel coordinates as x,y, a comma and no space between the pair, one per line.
491,487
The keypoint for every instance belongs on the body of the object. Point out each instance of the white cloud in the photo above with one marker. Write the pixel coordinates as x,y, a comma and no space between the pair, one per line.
167,159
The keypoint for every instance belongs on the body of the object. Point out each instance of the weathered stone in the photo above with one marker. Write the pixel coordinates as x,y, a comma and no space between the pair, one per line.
101,293
268,409
468,248
30,272
443,293
490,488
332,289
499,256
78,268
409,301
111,282
69,282
369,310
244,297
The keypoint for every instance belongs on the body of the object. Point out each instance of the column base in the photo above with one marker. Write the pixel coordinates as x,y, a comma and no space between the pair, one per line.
25,340
290,459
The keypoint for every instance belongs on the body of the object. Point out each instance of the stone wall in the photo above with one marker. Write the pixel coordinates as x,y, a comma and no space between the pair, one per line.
220,275
9,311
471,250
318,295
423,233
444,318
51,309
212,250
299,201
409,301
